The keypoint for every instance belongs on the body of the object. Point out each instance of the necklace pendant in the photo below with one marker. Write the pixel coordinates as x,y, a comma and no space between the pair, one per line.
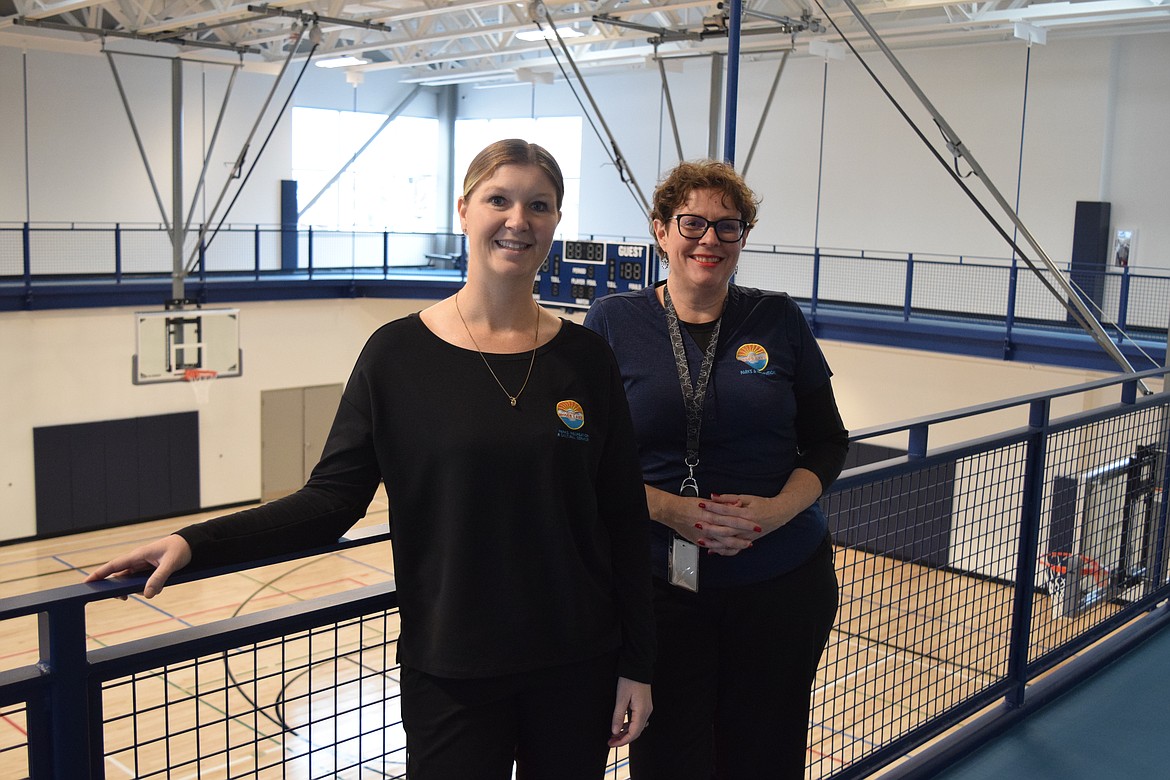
512,399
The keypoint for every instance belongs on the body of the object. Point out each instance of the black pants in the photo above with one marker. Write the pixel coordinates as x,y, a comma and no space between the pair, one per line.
734,675
553,723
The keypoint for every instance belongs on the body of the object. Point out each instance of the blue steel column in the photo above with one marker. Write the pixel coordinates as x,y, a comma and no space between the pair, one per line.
1021,625
732,80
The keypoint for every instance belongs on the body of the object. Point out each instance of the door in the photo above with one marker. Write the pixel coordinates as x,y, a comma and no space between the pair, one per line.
294,423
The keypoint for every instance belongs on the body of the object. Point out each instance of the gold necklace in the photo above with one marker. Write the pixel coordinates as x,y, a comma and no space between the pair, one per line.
535,341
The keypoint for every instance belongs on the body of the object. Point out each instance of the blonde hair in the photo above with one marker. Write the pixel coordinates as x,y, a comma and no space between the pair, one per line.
513,151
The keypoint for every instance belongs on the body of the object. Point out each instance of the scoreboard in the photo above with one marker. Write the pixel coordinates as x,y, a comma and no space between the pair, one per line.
576,273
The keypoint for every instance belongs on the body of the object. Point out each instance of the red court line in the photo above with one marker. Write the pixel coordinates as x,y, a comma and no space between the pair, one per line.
14,725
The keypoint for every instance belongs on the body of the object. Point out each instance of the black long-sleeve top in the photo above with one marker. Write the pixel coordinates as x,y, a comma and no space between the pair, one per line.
519,534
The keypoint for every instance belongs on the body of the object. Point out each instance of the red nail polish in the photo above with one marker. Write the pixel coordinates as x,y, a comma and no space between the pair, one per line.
699,526
701,543
757,529
715,495
702,505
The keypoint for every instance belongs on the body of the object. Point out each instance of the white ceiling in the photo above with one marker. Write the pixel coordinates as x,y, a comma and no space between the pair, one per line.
454,41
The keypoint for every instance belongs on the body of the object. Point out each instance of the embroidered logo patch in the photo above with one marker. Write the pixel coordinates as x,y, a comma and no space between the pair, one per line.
754,355
571,414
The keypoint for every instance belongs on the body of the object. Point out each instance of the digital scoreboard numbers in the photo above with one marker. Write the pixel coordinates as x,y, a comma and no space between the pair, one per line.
576,273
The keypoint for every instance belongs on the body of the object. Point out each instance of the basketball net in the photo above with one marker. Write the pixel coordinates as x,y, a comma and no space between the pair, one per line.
200,379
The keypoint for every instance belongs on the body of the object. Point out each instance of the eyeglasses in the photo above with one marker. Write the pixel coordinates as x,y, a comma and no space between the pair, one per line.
694,227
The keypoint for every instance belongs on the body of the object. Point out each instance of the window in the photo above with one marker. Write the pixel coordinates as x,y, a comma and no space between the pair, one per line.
390,186
560,135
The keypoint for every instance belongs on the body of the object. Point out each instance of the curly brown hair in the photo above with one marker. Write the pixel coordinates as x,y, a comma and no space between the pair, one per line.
686,177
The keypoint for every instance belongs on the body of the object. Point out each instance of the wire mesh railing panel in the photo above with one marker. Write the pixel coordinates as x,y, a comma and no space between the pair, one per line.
11,252
14,760
146,251
323,703
787,272
923,623
1036,303
408,250
1148,305
71,251
863,280
231,250
1100,529
348,250
949,289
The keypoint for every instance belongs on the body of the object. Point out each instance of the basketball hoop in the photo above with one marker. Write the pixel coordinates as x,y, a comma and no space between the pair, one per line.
1056,566
200,381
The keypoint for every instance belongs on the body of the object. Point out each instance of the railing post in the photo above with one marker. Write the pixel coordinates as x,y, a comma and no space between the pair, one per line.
74,741
909,287
202,261
916,443
906,304
310,259
117,252
1010,315
1123,302
256,265
816,280
1023,596
385,254
26,245
256,247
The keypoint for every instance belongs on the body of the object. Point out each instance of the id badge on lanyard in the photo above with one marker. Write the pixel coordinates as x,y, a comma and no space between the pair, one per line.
683,562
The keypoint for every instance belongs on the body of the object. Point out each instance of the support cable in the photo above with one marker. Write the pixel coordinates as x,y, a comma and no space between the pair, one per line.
669,102
1067,294
341,171
244,150
138,139
767,109
615,154
821,155
211,145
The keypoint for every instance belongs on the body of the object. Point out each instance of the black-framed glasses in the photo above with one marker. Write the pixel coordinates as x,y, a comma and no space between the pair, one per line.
694,227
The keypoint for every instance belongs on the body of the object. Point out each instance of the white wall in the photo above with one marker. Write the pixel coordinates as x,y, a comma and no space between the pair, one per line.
83,161
1096,111
73,366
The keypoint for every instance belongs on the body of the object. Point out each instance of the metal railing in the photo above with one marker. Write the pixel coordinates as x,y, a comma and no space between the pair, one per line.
902,284
967,571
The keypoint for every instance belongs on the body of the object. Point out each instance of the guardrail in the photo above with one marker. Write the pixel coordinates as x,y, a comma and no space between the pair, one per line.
967,571
903,283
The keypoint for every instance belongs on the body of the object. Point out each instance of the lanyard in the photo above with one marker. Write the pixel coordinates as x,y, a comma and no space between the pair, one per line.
693,395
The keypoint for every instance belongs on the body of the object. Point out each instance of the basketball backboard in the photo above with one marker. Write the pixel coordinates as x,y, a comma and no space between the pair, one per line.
172,341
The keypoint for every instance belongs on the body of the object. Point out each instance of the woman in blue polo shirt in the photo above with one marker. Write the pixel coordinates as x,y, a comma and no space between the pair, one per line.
739,435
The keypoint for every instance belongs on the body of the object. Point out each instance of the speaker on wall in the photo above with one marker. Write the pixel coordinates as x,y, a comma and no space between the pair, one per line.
1090,249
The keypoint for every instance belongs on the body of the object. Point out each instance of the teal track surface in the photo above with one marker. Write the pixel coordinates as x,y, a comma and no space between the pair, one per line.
1114,725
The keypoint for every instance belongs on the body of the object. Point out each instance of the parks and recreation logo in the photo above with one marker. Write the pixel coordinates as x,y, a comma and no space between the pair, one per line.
573,418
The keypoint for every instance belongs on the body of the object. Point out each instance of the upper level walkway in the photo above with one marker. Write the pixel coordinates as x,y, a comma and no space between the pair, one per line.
985,307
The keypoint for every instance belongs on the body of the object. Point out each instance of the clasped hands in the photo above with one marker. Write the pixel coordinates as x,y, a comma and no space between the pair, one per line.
728,524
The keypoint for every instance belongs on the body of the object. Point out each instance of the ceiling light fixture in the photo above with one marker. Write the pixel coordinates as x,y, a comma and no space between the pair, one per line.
343,61
547,34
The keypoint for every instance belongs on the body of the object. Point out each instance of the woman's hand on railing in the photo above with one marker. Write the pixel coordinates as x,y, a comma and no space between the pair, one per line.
166,556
